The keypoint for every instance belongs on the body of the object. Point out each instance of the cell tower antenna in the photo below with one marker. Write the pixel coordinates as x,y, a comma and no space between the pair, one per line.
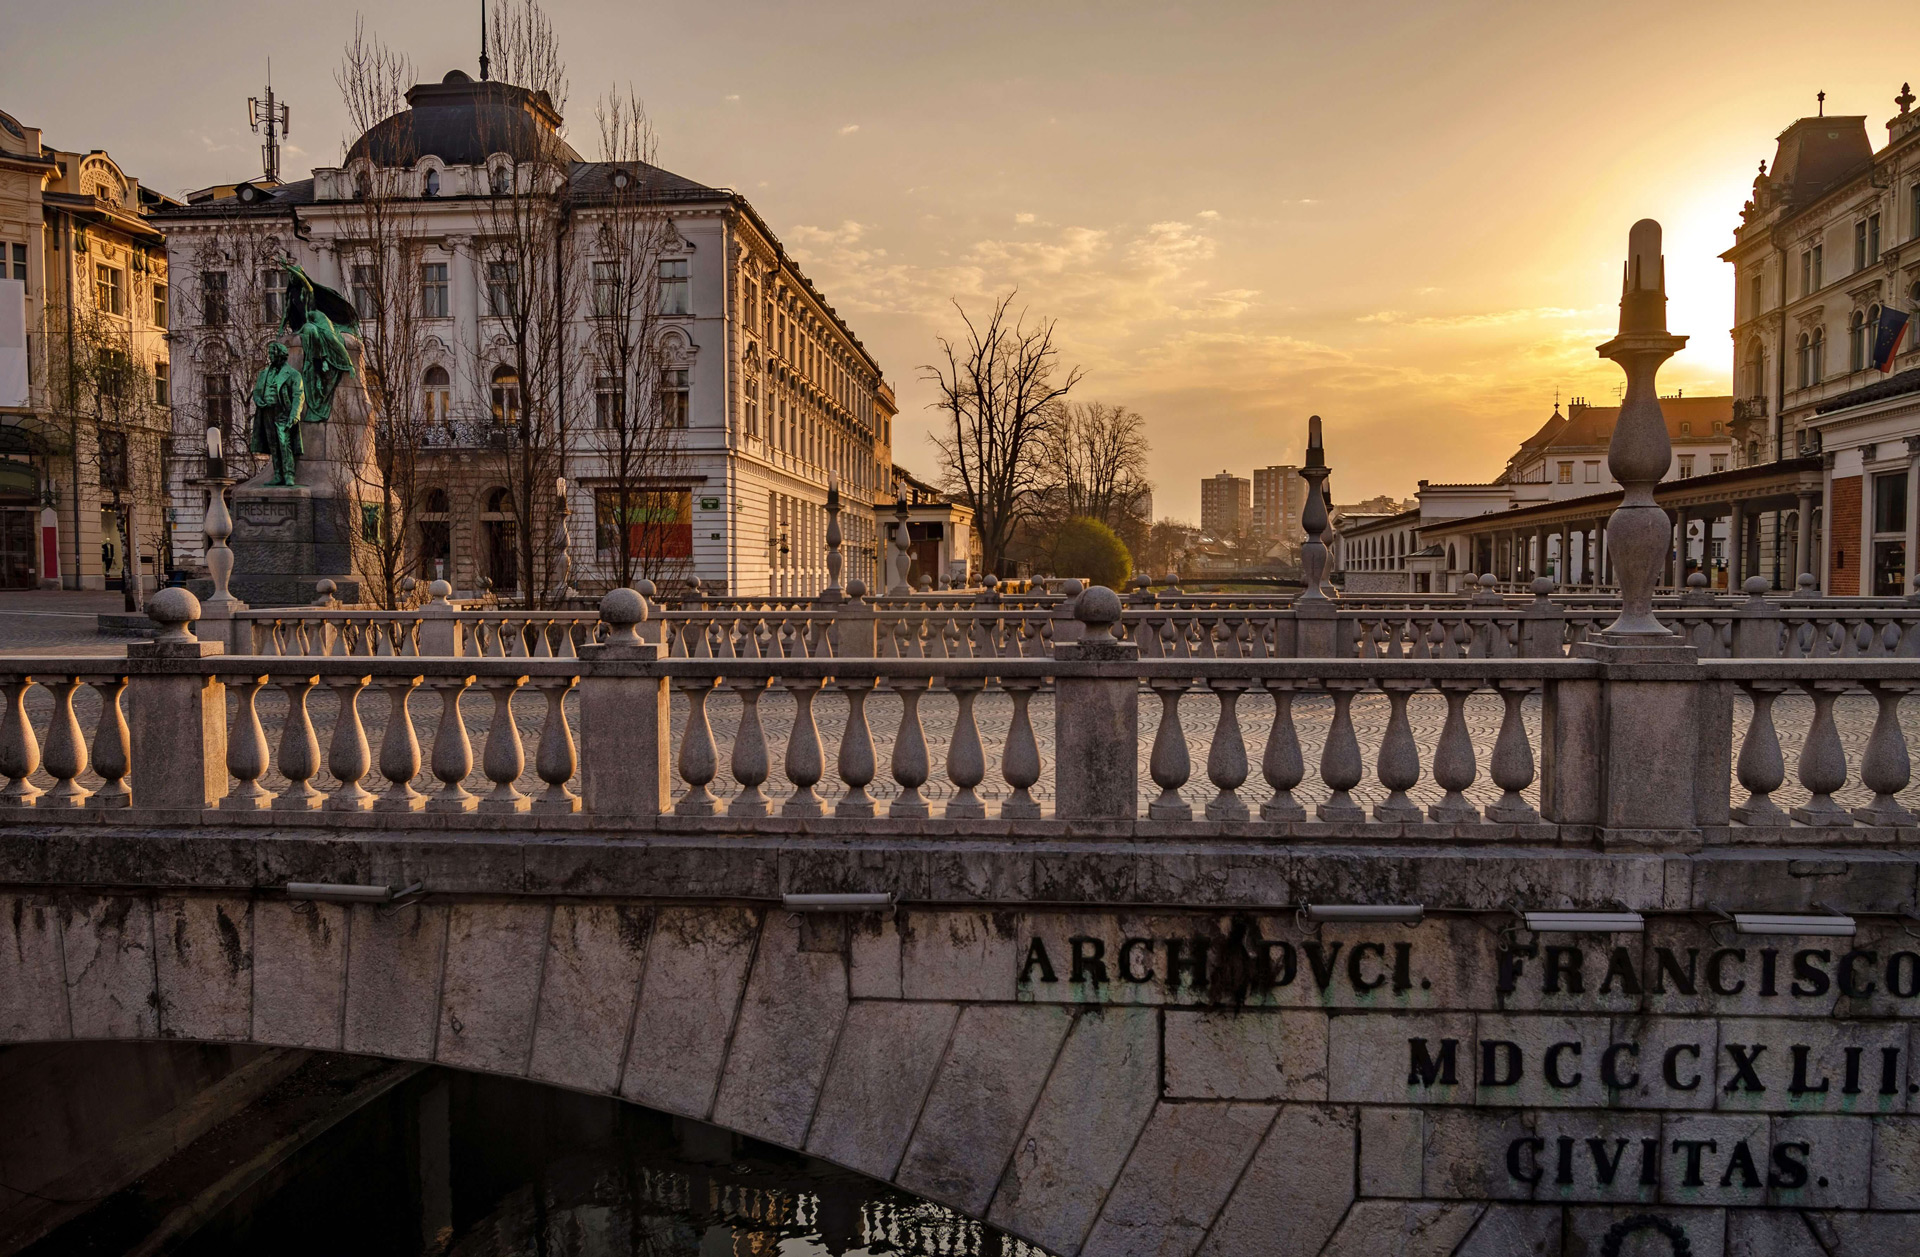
269,113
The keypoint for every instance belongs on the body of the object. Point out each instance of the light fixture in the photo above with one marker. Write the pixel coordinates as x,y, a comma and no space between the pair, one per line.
1834,925
1401,913
337,892
859,902
1585,922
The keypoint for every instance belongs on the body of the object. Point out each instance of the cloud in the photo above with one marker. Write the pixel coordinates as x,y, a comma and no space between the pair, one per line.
1486,318
850,128
1023,218
733,98
1209,214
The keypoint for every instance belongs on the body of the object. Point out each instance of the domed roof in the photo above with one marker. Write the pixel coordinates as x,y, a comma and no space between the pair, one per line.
461,122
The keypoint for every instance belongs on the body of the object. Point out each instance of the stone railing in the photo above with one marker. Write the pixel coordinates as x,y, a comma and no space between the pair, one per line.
1570,750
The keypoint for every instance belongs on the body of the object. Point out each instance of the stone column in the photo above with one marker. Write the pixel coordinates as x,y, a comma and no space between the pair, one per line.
1313,612
1803,552
1097,717
1736,547
624,740
1640,451
177,721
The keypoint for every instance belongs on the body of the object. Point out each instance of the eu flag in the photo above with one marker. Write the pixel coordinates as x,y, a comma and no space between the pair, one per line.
1887,337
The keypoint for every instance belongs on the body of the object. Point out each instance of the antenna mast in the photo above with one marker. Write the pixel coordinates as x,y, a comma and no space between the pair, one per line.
269,113
485,73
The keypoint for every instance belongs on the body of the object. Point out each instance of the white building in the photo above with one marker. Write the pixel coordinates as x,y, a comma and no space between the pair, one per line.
780,397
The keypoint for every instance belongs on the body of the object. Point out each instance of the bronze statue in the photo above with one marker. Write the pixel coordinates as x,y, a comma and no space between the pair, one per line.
318,315
279,397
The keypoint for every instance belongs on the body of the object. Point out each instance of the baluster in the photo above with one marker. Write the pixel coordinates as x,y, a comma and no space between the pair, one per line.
568,648
1340,766
966,760
112,745
1281,763
856,749
1512,759
400,749
545,648
299,756
1453,763
66,756
1169,764
505,758
1020,761
1823,761
555,760
1761,769
1885,768
1227,753
749,750
1398,767
348,758
246,749
910,763
452,751
19,749
698,758
804,760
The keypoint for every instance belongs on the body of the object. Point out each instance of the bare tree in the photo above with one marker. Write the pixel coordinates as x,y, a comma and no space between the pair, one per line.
382,476
639,423
998,389
1097,457
529,272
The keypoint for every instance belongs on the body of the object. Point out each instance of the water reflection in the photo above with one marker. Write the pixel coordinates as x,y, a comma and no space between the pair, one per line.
459,1165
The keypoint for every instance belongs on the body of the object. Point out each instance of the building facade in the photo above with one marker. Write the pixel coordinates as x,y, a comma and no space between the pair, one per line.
1226,506
85,392
1279,496
769,396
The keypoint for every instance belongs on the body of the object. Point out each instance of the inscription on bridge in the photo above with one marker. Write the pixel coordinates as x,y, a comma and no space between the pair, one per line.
1683,1065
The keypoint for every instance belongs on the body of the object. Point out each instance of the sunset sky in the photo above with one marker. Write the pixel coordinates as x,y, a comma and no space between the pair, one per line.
1408,218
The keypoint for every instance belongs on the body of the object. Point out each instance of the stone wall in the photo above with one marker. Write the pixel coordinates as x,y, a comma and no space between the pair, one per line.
1105,1082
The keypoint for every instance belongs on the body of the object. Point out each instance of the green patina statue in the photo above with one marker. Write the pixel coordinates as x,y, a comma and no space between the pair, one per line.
279,397
318,315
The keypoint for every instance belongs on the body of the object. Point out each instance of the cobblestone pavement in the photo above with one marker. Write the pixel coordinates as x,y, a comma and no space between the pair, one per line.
35,621
1312,715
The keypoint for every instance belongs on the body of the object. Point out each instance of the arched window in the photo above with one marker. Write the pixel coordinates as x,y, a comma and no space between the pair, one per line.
430,186
499,181
499,551
1857,342
506,397
436,400
436,536
1803,365
1817,354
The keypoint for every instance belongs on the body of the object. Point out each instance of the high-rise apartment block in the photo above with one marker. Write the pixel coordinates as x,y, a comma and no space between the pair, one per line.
1226,505
1279,496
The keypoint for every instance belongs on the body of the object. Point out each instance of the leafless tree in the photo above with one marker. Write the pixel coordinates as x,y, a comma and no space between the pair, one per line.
530,276
999,387
382,477
1097,457
639,424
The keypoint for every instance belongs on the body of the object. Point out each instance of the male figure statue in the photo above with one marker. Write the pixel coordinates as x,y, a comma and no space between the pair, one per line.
279,400
318,315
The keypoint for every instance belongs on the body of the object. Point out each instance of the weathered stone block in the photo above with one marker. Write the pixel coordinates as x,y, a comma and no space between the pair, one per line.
696,966
1838,1155
1181,1169
1770,1233
1813,1066
1571,973
1866,1234
1515,1231
595,956
1251,1055
1539,1061
492,985
1392,1150
789,1020
1420,1058
393,979
1472,1155
299,972
1588,1225
1294,1191
33,986
873,958
1598,1157
1664,1062
109,949
889,1052
1896,1163
1714,1160
203,959
1095,1102
1391,1228
959,955
994,1070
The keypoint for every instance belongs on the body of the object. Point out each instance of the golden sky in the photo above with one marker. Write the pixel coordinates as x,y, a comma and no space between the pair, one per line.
1408,218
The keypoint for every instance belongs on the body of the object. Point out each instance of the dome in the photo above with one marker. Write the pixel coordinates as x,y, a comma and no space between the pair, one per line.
461,122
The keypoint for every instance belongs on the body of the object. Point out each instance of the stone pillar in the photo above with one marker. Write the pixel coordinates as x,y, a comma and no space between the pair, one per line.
1313,520
625,746
854,635
1736,547
1097,717
1640,451
439,629
177,720
1803,560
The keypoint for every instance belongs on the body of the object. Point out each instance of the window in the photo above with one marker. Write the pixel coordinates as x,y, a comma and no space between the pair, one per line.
113,459
1819,266
750,293
1889,534
503,288
606,289
273,295
1860,245
674,297
431,185
657,523
366,300
1754,306
1686,428
1857,342
436,400
434,303
499,181
159,305
1719,462
109,283
1719,428
217,393
673,398
609,403
20,250
753,408
1686,466
1593,471
162,385
1566,473
1866,242
114,372
506,396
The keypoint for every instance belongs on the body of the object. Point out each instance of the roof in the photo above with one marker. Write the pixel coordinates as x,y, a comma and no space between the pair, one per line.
1594,502
1592,426
1816,154
1547,431
462,122
1907,381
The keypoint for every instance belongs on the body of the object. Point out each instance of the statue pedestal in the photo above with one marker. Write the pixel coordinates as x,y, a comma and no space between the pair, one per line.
286,540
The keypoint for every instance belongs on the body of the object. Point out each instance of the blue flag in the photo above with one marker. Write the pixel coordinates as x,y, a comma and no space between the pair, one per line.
1887,338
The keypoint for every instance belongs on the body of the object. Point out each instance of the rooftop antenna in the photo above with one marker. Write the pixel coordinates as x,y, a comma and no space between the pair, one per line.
268,112
1822,98
486,72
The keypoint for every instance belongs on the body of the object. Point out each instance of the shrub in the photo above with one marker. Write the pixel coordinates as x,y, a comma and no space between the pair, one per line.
1090,550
